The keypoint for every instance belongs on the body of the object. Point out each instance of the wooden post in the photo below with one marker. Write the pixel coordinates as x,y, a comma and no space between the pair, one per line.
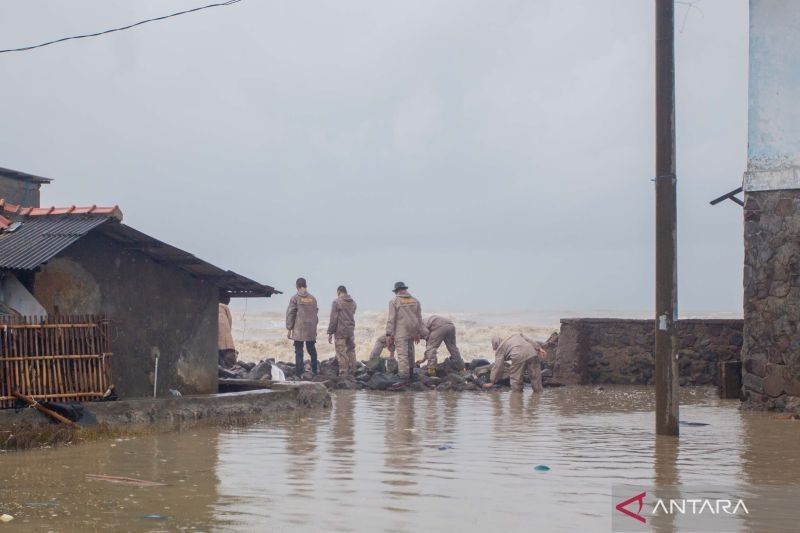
730,380
666,367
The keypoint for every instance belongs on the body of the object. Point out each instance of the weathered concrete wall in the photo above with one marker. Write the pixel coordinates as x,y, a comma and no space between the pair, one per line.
619,351
771,351
19,192
154,310
774,89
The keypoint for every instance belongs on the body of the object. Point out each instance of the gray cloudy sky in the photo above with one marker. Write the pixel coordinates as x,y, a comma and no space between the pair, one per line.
495,155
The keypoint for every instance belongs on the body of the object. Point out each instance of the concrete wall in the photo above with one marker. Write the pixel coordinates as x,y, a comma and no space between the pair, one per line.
771,351
19,192
620,351
154,309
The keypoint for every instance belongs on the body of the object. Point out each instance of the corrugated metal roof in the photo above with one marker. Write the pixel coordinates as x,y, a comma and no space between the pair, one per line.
38,239
22,176
43,233
234,284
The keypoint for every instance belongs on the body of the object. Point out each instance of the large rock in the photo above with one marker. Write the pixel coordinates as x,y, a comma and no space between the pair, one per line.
375,364
753,382
262,369
347,383
431,381
456,379
381,381
477,363
775,380
482,372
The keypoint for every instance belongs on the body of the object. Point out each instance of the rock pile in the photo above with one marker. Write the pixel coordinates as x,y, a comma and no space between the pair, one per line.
381,374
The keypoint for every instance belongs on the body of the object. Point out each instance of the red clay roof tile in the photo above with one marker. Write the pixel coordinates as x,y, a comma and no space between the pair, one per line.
13,209
7,208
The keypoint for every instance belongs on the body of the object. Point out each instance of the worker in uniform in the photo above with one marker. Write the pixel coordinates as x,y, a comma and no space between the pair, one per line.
302,317
341,329
523,353
439,329
404,328
380,345
225,346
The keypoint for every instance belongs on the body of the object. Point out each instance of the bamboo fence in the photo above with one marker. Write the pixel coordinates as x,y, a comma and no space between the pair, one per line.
64,359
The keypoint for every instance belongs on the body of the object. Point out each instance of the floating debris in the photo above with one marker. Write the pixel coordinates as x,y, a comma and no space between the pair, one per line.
155,517
6,518
541,468
120,480
692,424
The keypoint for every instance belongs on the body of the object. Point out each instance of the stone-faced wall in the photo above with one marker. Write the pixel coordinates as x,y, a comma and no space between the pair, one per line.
771,352
154,310
620,351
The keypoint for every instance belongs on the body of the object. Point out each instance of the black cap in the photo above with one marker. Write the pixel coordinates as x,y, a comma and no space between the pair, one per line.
400,286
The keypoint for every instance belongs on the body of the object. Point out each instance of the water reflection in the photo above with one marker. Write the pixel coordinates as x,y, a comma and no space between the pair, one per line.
665,478
400,454
408,462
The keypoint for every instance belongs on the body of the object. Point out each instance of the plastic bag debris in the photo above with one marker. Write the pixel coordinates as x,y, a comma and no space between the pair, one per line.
277,374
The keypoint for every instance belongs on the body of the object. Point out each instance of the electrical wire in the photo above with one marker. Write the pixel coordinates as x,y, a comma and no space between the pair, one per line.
25,48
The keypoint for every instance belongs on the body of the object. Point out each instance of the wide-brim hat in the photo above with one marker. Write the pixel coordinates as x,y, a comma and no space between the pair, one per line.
399,286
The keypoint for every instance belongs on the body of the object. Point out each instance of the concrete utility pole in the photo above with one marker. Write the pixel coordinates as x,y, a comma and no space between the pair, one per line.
666,224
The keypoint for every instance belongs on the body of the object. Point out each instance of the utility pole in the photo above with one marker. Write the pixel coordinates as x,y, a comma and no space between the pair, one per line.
666,224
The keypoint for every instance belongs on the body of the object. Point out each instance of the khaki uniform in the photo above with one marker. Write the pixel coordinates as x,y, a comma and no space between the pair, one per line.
380,345
404,325
342,326
225,327
521,352
225,345
302,317
439,329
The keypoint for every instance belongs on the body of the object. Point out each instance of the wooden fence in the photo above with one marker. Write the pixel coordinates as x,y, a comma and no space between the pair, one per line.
65,359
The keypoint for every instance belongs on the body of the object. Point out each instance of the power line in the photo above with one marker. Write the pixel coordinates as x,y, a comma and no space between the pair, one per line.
25,48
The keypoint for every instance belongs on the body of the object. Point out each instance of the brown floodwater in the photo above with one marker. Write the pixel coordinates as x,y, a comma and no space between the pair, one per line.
373,463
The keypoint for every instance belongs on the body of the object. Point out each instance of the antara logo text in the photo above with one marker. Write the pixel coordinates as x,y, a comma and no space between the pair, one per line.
674,506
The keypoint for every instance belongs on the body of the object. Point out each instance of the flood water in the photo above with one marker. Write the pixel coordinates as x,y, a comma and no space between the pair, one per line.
373,463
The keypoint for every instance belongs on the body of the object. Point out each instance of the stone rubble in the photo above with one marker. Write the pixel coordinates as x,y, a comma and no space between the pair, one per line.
380,373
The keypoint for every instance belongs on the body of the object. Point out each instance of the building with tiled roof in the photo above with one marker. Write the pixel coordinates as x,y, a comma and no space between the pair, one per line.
162,302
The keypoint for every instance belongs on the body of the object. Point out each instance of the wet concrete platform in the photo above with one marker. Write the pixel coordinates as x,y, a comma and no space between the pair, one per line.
17,428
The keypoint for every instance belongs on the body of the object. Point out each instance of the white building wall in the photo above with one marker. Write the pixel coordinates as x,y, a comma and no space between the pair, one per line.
774,109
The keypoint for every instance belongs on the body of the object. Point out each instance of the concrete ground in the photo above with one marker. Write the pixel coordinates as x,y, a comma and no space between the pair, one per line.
28,428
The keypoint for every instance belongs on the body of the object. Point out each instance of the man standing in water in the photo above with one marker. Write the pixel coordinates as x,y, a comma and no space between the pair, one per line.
342,327
404,328
523,353
301,321
439,329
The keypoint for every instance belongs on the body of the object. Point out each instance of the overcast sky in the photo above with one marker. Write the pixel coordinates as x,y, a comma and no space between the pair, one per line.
495,155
